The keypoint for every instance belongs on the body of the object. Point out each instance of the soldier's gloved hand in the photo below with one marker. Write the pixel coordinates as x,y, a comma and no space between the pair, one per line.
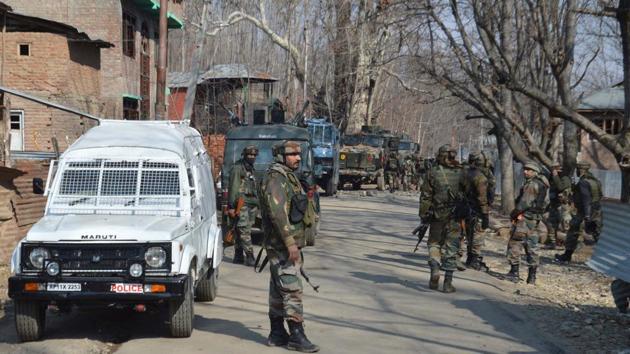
485,221
294,254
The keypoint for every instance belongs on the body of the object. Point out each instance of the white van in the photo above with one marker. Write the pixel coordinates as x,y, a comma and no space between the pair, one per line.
130,220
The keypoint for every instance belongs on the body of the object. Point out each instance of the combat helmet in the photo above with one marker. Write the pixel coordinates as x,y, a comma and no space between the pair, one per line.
283,148
532,166
476,159
250,150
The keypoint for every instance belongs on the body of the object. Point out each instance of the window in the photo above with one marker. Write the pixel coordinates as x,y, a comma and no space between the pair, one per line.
610,126
17,130
24,49
129,35
130,108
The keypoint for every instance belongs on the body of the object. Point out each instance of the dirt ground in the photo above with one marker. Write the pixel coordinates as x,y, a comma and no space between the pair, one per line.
571,300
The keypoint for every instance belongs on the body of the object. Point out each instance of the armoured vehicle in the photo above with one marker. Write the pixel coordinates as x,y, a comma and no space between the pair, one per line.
407,147
362,158
130,221
264,137
325,144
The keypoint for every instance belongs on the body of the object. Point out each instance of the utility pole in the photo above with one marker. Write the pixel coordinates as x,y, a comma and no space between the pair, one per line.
160,95
194,68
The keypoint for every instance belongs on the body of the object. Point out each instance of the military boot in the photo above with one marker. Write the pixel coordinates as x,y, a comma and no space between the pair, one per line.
249,258
513,275
475,262
238,256
469,259
278,337
434,283
460,265
531,275
448,282
298,340
564,257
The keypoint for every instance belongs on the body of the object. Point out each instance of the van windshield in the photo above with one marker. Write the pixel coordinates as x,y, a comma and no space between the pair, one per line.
321,134
117,187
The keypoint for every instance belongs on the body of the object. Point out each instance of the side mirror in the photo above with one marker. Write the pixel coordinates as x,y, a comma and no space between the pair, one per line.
38,185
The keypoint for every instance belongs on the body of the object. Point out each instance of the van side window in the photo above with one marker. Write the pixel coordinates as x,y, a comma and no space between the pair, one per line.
191,182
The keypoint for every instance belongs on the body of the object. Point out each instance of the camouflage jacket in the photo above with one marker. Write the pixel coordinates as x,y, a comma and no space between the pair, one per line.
560,190
492,183
588,192
442,188
476,187
277,189
242,184
532,199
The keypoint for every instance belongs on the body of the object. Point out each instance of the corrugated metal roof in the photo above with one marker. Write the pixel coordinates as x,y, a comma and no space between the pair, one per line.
611,98
219,72
612,252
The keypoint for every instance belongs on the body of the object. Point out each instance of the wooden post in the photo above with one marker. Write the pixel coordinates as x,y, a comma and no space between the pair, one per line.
160,95
5,129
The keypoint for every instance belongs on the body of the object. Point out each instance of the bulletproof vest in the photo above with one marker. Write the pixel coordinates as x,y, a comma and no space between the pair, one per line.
298,204
596,188
393,163
446,189
540,203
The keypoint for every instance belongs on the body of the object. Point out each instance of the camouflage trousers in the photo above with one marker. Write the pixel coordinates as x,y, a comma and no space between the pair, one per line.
285,287
246,219
557,218
391,179
524,236
474,238
443,243
577,227
406,182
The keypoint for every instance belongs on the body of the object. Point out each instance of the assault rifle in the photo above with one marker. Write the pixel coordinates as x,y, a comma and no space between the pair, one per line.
420,231
230,237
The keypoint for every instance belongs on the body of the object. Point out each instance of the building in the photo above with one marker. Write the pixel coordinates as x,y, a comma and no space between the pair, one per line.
127,81
234,87
605,108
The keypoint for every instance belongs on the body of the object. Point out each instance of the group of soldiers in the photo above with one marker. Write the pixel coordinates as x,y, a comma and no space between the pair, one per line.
404,172
455,201
286,214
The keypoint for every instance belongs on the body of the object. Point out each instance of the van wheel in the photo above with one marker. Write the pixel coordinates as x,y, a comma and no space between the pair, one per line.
207,286
181,311
30,320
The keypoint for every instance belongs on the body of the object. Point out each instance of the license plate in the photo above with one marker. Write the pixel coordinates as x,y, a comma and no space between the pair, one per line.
63,286
123,288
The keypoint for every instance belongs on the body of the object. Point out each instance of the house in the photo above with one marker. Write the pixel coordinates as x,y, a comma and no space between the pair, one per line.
236,87
127,70
605,108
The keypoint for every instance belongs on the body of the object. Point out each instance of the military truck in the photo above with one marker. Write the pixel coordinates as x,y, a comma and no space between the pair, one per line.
407,147
325,144
362,157
264,137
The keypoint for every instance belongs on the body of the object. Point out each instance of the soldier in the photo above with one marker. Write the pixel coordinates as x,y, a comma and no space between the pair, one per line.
408,173
476,188
587,195
442,205
285,217
559,206
243,185
392,171
488,170
418,169
530,205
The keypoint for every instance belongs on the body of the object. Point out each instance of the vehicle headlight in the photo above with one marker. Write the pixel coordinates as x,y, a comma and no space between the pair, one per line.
37,257
155,257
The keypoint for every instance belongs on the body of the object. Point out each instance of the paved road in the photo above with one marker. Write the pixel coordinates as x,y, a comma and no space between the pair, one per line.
374,298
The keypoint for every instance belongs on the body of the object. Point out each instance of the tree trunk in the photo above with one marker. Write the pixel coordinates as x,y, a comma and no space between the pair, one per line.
623,16
570,141
507,176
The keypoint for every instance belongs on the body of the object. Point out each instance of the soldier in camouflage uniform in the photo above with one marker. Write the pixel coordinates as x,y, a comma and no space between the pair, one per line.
441,200
530,205
243,185
476,189
392,168
488,170
587,195
559,211
285,218
419,170
408,173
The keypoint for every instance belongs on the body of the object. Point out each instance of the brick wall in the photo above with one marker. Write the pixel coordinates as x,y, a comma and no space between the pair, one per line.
102,19
594,152
215,145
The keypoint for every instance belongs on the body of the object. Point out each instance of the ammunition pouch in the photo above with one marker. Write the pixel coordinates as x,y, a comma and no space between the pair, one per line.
299,204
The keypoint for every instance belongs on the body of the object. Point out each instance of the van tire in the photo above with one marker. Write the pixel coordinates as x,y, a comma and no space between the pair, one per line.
181,311
30,320
207,286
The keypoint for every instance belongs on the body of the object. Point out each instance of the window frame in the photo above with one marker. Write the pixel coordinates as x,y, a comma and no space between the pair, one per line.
128,34
127,109
20,113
